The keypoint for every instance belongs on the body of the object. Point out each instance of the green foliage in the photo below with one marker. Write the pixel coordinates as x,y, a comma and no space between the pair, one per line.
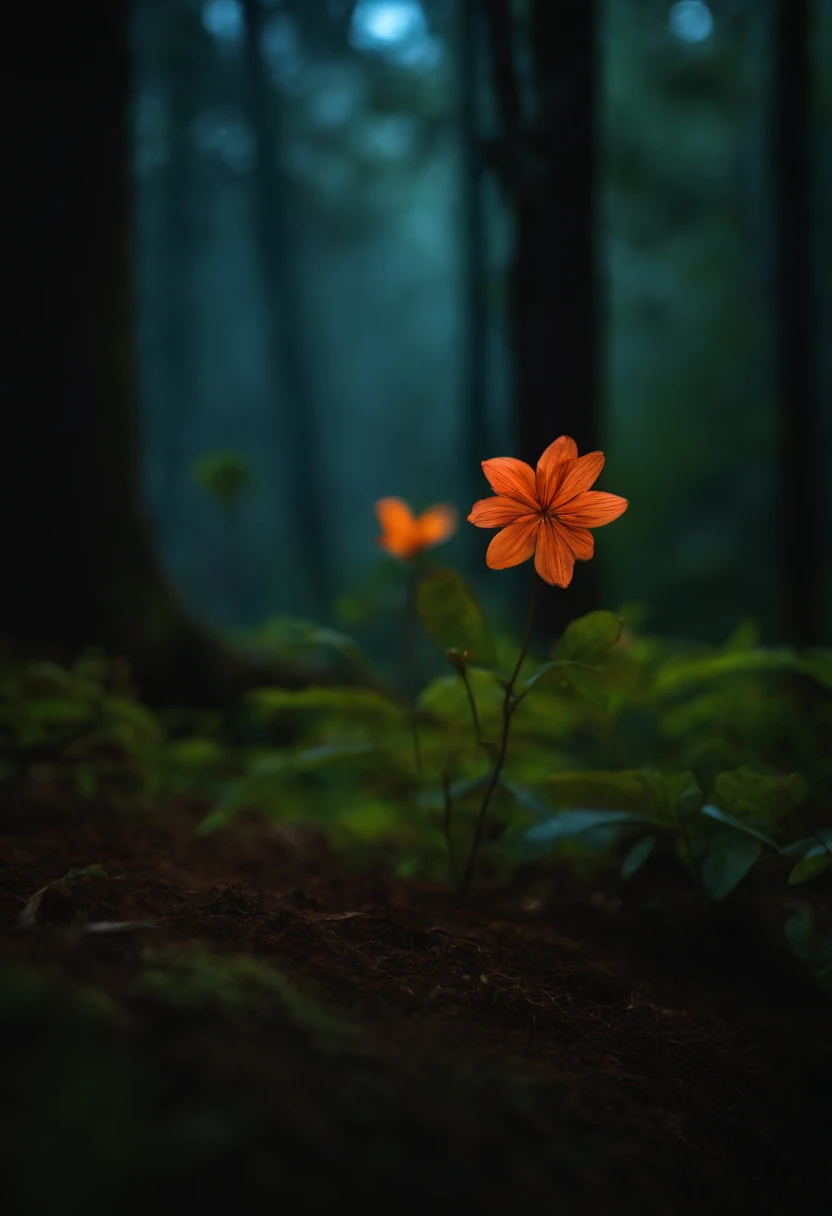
226,475
287,635
83,730
651,796
245,992
446,700
816,861
729,858
813,948
637,856
724,758
589,638
576,658
362,702
452,615
752,797
726,755
729,769
82,722
815,855
575,823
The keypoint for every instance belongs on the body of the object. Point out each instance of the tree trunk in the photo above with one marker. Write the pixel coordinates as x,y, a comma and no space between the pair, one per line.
78,568
182,80
800,433
476,438
547,165
283,302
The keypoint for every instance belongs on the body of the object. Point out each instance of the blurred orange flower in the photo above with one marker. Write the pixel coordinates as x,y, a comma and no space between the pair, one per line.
404,535
545,513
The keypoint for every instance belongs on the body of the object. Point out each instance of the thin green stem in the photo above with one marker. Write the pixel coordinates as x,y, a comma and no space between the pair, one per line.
509,705
408,662
236,580
481,741
446,823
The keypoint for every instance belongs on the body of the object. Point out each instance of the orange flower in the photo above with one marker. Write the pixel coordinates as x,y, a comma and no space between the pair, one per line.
547,513
404,536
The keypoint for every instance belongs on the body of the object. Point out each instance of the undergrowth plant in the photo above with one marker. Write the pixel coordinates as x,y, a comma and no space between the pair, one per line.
610,745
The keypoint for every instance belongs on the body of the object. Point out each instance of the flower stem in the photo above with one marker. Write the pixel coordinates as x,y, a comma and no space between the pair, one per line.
447,800
509,705
480,740
408,662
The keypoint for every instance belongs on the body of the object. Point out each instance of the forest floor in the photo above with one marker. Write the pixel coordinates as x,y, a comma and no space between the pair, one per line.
280,1030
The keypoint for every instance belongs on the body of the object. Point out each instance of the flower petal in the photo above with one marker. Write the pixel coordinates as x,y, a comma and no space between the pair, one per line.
435,525
496,512
583,474
553,466
515,544
514,478
592,509
580,540
398,526
553,559
393,513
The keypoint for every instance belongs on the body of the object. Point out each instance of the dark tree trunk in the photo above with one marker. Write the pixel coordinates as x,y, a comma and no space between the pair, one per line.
476,437
547,162
800,434
78,568
284,306
181,81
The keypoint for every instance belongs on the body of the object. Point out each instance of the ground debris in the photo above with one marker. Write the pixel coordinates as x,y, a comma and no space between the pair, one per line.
286,1036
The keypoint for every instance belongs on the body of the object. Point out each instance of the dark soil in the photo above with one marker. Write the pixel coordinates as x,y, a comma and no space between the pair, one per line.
281,1032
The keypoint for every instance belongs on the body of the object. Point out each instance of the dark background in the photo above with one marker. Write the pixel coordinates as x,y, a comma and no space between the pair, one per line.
366,245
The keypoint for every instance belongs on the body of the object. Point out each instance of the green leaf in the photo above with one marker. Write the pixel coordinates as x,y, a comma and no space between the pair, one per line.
658,796
745,637
452,615
569,675
637,856
527,799
226,475
56,711
729,859
307,759
815,862
814,949
715,812
85,872
555,665
590,637
747,794
134,714
351,701
801,847
574,823
313,635
446,698
269,771
86,780
195,752
433,799
51,673
681,674
462,789
589,686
